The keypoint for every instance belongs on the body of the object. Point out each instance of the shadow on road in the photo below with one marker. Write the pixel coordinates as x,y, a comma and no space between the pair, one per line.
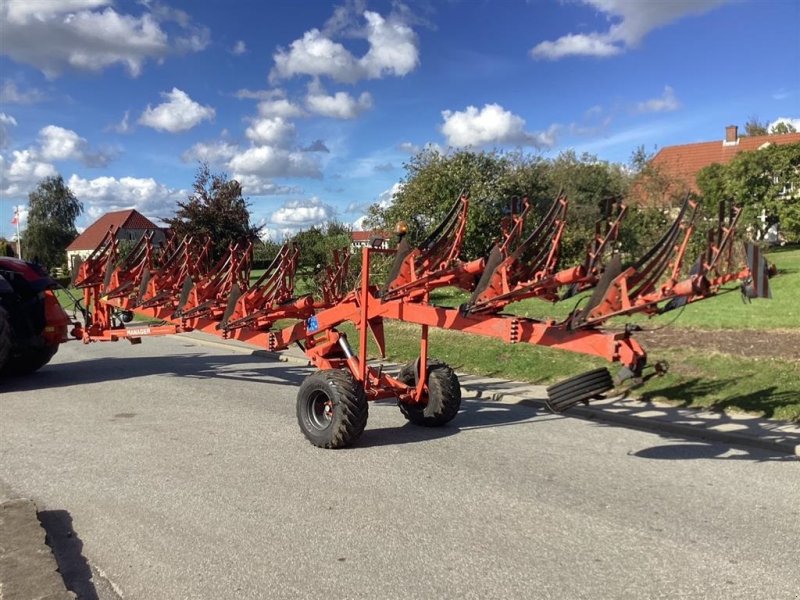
201,366
68,551
689,450
473,415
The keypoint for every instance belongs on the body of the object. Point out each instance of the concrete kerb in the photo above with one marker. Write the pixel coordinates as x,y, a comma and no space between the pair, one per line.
28,568
738,430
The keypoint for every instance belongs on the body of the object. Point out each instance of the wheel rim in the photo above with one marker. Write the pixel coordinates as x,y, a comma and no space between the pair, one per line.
320,410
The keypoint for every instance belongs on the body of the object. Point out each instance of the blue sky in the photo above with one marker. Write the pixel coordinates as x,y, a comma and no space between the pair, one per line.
315,107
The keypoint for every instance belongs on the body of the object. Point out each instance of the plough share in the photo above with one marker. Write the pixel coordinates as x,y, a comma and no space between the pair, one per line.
178,286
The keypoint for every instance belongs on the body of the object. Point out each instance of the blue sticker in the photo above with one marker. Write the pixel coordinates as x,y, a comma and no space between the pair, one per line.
312,324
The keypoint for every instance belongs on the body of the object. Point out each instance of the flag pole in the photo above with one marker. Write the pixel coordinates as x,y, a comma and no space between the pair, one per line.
16,222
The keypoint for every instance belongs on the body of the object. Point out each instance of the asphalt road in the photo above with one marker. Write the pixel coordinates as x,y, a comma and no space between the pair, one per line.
173,470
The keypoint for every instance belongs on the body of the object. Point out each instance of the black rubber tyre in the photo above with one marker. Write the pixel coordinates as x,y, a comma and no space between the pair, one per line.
444,395
577,389
6,341
29,360
332,408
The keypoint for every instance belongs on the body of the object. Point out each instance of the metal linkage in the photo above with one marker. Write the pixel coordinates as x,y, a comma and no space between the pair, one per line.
96,268
180,261
256,306
434,263
127,276
207,296
530,270
657,277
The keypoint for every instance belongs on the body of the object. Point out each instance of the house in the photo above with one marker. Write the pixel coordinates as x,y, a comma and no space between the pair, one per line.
681,164
360,239
129,224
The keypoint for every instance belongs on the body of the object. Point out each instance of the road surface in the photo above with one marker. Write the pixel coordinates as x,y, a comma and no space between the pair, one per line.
175,470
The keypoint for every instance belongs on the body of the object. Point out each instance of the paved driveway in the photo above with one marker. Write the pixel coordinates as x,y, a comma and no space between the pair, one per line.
172,470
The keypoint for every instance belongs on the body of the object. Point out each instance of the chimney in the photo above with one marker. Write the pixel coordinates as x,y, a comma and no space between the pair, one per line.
731,134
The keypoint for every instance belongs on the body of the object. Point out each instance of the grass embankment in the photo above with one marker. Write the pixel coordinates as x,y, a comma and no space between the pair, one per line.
697,377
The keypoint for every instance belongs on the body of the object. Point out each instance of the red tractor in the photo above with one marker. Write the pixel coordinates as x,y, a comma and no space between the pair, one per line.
32,322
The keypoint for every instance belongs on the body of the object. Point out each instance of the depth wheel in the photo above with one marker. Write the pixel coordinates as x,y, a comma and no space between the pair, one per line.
443,391
577,389
332,408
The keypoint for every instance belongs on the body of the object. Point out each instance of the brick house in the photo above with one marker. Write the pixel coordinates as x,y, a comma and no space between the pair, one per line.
683,163
359,239
130,225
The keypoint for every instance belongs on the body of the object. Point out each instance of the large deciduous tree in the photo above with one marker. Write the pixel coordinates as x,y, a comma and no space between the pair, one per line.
52,211
216,209
492,180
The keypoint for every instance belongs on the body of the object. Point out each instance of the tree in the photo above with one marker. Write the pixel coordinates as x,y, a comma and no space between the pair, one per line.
52,211
755,127
317,244
782,127
215,210
764,180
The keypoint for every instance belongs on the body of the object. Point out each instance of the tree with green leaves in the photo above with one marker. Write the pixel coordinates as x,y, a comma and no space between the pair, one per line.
782,127
216,209
755,127
764,180
492,180
318,242
52,211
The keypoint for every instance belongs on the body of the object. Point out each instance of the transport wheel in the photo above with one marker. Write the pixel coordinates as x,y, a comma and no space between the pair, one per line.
577,389
331,408
5,337
443,391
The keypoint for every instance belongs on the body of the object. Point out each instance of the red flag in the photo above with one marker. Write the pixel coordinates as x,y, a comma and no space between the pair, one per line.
15,218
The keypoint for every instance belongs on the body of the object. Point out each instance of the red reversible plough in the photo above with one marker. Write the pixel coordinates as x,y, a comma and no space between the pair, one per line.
178,286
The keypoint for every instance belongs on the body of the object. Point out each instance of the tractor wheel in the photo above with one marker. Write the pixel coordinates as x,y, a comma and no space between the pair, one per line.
443,390
30,360
580,388
5,337
331,408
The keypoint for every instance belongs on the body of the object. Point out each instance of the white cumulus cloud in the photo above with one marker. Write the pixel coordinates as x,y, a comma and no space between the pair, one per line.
239,48
632,21
491,125
25,170
57,143
392,51
667,102
214,153
340,105
91,35
268,162
179,113
302,213
104,194
273,131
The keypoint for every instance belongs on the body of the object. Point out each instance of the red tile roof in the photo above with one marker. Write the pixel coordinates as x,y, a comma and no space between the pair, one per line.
122,219
684,162
366,236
